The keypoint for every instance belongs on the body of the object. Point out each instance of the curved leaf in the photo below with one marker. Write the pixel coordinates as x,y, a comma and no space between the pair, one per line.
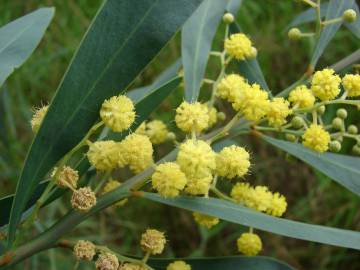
241,215
196,40
226,263
335,9
19,38
343,169
250,69
123,38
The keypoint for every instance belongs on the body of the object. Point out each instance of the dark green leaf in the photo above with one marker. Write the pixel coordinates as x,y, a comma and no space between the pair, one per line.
123,38
19,38
335,9
197,36
233,6
250,69
226,263
343,169
241,215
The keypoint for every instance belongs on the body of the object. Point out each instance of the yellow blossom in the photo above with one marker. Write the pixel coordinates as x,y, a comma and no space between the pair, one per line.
103,155
153,241
302,97
277,206
232,161
325,84
84,250
249,244
168,179
230,87
260,198
316,138
107,261
351,84
239,46
192,117
241,192
178,265
278,111
83,199
205,220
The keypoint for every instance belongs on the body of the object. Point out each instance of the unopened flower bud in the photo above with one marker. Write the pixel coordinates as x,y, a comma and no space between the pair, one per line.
171,136
84,250
290,137
321,110
107,261
297,122
83,199
253,53
352,129
228,18
337,123
335,146
153,241
349,16
342,113
356,149
294,34
221,116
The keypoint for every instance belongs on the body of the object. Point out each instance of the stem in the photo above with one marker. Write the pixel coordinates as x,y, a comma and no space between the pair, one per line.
226,128
310,3
332,21
337,101
221,195
281,130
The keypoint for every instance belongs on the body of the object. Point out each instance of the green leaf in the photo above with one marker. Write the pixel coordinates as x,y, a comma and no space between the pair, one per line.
196,40
19,38
233,6
225,263
334,10
343,169
250,69
241,215
123,38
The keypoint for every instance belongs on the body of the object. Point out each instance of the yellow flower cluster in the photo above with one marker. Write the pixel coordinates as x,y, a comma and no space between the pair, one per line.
325,84
259,198
302,97
103,155
168,179
38,117
240,47
205,220
192,117
178,265
316,138
230,87
249,244
351,84
197,161
83,199
118,113
156,130
278,112
232,161
153,241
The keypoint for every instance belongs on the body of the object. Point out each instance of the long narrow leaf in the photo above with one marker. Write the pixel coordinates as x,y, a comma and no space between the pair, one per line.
241,215
123,38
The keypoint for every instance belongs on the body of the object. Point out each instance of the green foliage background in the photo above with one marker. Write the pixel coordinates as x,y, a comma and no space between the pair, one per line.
311,196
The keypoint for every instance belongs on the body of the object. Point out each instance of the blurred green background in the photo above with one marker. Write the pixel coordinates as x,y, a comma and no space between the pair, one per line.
311,196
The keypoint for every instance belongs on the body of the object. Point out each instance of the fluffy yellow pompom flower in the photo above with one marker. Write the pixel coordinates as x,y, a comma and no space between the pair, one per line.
37,118
232,161
168,179
241,192
192,117
351,84
302,97
104,155
253,102
83,199
178,265
84,250
278,111
137,150
249,244
205,220
316,138
278,205
199,185
110,186
239,46
118,113
157,131
107,261
153,241
260,198
196,158
230,87
325,84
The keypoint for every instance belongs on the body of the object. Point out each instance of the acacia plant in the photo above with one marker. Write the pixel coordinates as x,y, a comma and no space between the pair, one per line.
96,127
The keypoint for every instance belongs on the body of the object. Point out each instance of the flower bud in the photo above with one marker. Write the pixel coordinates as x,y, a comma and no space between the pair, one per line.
321,110
356,149
107,261
221,116
228,18
337,123
290,137
352,129
153,241
335,146
253,53
294,34
178,265
84,250
342,113
349,16
171,136
297,122
83,199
